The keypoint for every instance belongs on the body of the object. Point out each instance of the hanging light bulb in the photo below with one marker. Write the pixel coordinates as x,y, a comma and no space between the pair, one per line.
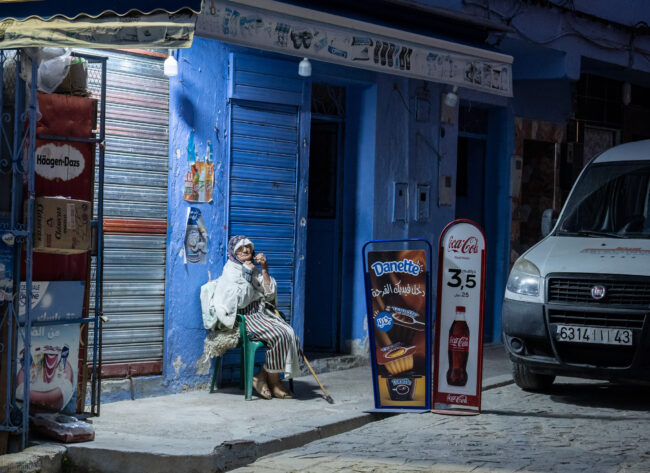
304,68
451,99
170,66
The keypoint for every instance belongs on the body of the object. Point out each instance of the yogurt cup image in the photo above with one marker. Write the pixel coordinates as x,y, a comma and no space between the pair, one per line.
401,388
396,358
405,324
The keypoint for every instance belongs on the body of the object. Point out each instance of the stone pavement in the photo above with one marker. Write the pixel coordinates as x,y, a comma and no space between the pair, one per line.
196,431
579,426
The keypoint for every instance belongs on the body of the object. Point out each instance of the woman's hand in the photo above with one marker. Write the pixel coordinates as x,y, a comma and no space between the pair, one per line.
261,260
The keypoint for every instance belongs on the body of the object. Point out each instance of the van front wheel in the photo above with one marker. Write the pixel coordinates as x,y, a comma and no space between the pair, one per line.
529,381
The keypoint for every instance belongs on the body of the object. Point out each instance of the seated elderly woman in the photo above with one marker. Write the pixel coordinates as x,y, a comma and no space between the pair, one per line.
244,289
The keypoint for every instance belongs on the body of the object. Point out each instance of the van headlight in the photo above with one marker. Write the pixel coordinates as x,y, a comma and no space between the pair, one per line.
524,278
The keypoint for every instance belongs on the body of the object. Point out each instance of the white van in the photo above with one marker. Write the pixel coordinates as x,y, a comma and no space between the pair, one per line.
578,302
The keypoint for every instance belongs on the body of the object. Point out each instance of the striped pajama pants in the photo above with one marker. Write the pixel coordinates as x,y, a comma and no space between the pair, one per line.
276,334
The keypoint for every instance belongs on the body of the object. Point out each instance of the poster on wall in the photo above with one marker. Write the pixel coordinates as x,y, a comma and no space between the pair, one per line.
397,297
459,319
54,348
196,237
255,27
199,182
199,179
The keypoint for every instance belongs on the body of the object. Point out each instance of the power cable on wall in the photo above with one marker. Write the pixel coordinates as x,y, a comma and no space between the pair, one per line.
508,19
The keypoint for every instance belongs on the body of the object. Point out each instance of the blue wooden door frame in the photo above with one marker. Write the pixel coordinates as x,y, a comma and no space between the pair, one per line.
302,181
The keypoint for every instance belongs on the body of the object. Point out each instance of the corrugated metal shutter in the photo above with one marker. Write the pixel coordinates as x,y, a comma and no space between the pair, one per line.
135,213
264,154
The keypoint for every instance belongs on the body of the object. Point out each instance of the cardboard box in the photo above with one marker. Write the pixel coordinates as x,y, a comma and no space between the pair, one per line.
76,81
62,225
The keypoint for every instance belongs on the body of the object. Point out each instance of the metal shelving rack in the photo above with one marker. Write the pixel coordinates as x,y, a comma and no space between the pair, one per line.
20,142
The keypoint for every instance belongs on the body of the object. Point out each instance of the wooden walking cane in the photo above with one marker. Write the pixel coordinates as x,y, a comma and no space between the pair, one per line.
328,398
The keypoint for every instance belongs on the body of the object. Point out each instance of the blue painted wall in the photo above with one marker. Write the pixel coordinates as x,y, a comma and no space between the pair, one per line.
546,100
197,102
384,142
358,188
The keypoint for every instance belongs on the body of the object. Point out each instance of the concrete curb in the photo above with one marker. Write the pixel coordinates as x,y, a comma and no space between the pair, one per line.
497,382
242,453
49,458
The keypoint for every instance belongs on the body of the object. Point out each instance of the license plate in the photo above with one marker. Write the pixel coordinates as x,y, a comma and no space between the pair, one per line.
608,336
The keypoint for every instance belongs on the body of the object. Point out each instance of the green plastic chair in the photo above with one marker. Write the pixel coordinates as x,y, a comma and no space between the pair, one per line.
246,364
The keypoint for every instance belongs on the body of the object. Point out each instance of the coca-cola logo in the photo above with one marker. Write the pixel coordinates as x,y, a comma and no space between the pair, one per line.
459,343
456,398
465,246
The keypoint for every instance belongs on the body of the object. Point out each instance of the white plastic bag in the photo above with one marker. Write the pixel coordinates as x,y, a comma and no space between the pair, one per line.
53,67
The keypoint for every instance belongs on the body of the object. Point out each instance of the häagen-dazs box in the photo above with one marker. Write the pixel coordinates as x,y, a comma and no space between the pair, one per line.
62,225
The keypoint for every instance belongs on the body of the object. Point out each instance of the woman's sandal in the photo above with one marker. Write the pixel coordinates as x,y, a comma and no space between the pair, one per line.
281,392
261,388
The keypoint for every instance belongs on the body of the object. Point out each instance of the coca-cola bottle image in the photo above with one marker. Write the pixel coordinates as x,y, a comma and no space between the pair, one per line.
458,350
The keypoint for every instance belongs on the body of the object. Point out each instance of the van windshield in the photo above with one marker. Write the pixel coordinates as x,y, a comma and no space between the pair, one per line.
609,199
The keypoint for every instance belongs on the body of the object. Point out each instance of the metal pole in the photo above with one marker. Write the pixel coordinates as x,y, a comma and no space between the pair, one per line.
29,248
96,377
16,199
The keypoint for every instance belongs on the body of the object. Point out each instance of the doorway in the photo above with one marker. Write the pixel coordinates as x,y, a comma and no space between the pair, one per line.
539,190
322,284
470,179
470,163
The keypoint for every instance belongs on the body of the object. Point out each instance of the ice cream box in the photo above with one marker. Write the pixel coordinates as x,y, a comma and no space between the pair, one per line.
53,300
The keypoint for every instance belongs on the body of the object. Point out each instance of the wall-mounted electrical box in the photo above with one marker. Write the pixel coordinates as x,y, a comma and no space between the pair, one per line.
400,201
422,202
445,192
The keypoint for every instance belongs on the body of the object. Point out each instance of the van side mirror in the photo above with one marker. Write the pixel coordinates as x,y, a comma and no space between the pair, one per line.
549,218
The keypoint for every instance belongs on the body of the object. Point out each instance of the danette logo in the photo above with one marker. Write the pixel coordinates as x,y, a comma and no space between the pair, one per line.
467,246
404,266
59,162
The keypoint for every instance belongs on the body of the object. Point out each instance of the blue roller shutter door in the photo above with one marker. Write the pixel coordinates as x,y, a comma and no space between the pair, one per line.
267,169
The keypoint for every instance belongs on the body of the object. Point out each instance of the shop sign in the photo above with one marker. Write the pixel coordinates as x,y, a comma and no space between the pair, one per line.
264,29
397,295
459,319
62,162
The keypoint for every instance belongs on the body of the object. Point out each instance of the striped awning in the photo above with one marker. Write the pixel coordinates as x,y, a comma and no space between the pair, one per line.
77,23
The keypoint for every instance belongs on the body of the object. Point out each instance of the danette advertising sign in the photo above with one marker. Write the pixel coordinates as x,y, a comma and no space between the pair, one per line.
398,285
459,320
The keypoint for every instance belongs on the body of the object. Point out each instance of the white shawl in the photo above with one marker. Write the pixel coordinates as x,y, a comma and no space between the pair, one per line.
221,298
